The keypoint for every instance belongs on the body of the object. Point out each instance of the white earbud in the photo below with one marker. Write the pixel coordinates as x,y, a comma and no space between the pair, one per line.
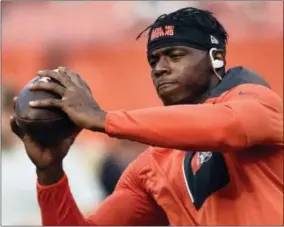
216,63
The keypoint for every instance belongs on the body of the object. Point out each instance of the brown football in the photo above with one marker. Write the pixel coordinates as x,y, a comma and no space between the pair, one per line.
47,126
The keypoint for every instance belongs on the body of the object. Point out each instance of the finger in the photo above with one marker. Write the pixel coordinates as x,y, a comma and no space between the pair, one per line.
72,75
56,75
56,88
46,103
15,99
75,77
66,70
15,128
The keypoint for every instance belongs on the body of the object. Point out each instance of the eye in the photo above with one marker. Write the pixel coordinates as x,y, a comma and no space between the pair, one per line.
153,62
176,56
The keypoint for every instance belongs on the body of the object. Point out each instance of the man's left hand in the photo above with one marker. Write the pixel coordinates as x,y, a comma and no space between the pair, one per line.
77,101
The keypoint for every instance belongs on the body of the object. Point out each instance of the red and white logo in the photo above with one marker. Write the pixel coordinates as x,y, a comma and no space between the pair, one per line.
168,30
203,157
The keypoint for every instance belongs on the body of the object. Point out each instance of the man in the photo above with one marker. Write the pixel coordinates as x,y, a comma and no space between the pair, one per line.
220,136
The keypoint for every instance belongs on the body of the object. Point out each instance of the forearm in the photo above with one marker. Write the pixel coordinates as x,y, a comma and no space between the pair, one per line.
235,123
57,204
192,127
123,207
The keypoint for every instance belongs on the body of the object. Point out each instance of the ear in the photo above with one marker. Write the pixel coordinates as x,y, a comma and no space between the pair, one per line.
219,54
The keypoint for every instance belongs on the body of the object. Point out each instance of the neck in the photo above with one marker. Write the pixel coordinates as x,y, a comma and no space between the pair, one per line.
213,83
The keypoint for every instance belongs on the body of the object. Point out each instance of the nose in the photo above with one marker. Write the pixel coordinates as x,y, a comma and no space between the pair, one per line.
162,67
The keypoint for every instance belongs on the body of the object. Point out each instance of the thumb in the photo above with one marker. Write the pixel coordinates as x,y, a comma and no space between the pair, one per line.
70,140
15,99
15,128
73,137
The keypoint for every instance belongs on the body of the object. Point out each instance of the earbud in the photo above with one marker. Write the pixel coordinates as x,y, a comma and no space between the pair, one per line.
216,63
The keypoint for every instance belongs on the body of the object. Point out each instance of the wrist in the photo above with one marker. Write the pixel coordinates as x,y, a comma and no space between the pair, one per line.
50,175
98,122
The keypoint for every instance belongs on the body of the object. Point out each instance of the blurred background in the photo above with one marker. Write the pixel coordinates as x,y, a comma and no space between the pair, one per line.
97,40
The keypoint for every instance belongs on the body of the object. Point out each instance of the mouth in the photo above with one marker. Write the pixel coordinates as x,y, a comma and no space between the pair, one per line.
165,85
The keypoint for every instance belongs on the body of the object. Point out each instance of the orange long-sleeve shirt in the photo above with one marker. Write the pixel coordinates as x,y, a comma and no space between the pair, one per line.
222,165
232,121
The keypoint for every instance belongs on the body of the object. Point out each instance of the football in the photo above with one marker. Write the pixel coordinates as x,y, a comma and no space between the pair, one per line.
47,126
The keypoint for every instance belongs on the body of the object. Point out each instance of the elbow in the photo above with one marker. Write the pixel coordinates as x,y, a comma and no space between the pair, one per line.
231,136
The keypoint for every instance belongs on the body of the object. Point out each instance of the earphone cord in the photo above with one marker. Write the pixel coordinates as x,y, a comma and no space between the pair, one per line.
219,77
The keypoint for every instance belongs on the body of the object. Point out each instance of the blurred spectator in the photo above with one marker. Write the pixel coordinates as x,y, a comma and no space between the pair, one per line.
120,154
8,139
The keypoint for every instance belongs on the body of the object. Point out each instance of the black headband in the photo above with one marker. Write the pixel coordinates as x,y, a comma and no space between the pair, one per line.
171,35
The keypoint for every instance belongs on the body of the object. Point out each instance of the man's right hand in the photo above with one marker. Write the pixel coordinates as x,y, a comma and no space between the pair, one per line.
48,160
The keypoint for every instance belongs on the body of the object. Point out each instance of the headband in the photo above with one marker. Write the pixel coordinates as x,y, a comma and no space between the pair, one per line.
171,35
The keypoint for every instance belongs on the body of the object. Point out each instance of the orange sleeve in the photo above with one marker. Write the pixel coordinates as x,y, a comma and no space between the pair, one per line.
247,115
128,205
